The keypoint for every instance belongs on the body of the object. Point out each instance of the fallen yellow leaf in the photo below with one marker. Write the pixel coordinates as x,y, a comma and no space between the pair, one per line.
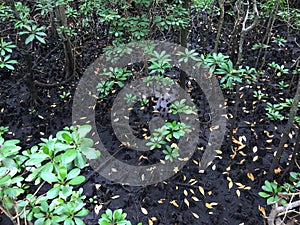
262,210
250,176
174,203
201,190
144,211
210,205
277,171
196,215
186,202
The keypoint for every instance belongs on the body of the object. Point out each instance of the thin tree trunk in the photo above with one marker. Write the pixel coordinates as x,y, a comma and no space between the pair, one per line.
286,132
69,56
267,37
294,157
183,42
245,30
220,24
238,20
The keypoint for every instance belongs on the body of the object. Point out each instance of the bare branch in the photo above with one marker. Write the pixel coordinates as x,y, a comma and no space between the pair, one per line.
246,29
280,209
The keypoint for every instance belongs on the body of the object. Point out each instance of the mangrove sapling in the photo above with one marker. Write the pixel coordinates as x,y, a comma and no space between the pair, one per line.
116,217
57,161
270,192
282,199
6,49
283,85
28,33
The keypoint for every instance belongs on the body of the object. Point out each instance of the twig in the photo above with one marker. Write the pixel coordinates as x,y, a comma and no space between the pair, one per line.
286,212
34,194
277,210
7,213
16,210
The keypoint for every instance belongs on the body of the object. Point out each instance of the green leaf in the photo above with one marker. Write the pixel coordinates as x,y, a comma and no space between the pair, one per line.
77,180
39,215
8,203
84,130
39,221
176,135
274,186
293,176
90,153
67,137
264,194
42,40
119,215
104,221
29,39
57,219
62,172
13,192
48,177
4,180
267,187
9,163
61,147
79,206
10,67
79,221
49,222
68,221
284,202
80,162
69,156
3,171
16,180
86,142
83,212
44,206
66,191
109,214
53,192
271,200
36,158
73,173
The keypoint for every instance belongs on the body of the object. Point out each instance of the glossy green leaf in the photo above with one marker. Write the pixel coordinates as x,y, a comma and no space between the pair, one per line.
77,180
48,177
73,173
69,156
53,192
83,212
